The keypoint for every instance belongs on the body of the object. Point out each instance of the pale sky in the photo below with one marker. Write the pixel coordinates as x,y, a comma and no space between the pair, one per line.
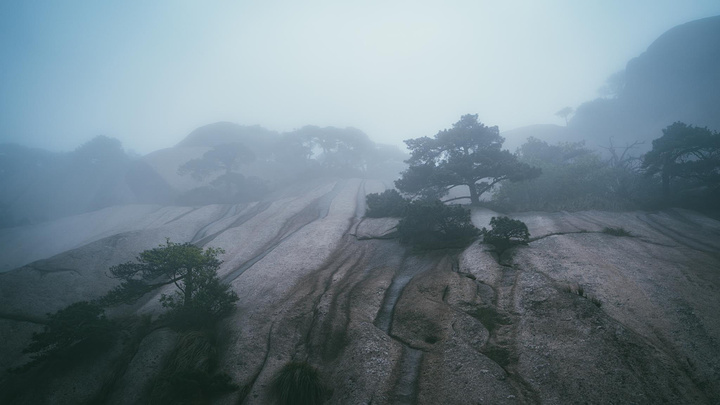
149,72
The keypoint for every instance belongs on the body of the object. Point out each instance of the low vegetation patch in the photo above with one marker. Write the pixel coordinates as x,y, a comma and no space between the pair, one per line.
189,375
298,383
505,233
386,204
80,326
433,225
580,291
81,332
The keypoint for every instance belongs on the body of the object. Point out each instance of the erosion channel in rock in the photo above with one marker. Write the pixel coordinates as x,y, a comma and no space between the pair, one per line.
576,316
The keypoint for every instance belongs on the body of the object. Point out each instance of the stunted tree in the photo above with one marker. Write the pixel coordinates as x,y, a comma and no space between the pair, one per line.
200,299
685,151
468,154
565,113
193,270
225,159
505,232
78,327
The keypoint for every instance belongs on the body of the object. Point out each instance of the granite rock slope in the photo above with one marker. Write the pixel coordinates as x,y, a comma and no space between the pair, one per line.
576,316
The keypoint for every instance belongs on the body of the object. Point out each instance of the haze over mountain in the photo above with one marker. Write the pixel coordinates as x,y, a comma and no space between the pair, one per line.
676,79
596,305
148,74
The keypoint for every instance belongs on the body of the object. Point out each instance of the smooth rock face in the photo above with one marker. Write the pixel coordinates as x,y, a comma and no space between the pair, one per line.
576,316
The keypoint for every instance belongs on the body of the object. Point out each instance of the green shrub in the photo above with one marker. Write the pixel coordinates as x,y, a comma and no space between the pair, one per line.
188,376
505,233
434,225
386,204
200,297
213,300
298,383
575,178
79,326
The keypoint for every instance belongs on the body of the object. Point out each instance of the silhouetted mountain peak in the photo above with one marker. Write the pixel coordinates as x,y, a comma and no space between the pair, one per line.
676,79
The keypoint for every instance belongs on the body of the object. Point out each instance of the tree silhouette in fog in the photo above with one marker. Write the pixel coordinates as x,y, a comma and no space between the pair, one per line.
686,152
467,154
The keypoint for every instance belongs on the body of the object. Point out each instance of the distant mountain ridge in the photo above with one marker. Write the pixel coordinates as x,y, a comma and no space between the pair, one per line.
676,79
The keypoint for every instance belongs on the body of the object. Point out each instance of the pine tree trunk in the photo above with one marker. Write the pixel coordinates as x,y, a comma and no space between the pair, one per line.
189,287
474,197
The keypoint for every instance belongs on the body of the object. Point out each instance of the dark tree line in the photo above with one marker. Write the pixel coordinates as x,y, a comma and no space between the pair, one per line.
567,176
244,165
38,185
688,153
198,300
682,169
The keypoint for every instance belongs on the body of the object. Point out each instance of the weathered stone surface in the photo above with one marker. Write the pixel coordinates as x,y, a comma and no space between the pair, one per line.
131,387
576,316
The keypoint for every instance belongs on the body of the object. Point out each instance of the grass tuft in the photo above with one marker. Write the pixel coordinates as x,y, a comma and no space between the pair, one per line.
298,383
189,376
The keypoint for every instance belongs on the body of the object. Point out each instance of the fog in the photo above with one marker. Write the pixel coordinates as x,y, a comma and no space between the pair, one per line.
149,73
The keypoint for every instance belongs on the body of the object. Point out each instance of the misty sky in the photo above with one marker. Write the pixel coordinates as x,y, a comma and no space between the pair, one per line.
149,72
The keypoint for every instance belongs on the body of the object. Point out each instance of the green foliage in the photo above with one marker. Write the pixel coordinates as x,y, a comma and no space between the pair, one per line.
574,178
200,297
189,374
468,154
434,225
685,152
505,233
211,301
616,231
79,326
386,204
338,151
227,186
298,383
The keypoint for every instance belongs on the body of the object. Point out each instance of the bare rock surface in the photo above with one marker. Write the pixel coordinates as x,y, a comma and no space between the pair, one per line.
23,245
576,316
377,228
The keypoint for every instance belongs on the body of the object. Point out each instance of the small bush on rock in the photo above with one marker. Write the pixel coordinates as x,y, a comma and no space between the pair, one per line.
200,297
298,383
434,225
79,326
386,204
505,233
189,375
